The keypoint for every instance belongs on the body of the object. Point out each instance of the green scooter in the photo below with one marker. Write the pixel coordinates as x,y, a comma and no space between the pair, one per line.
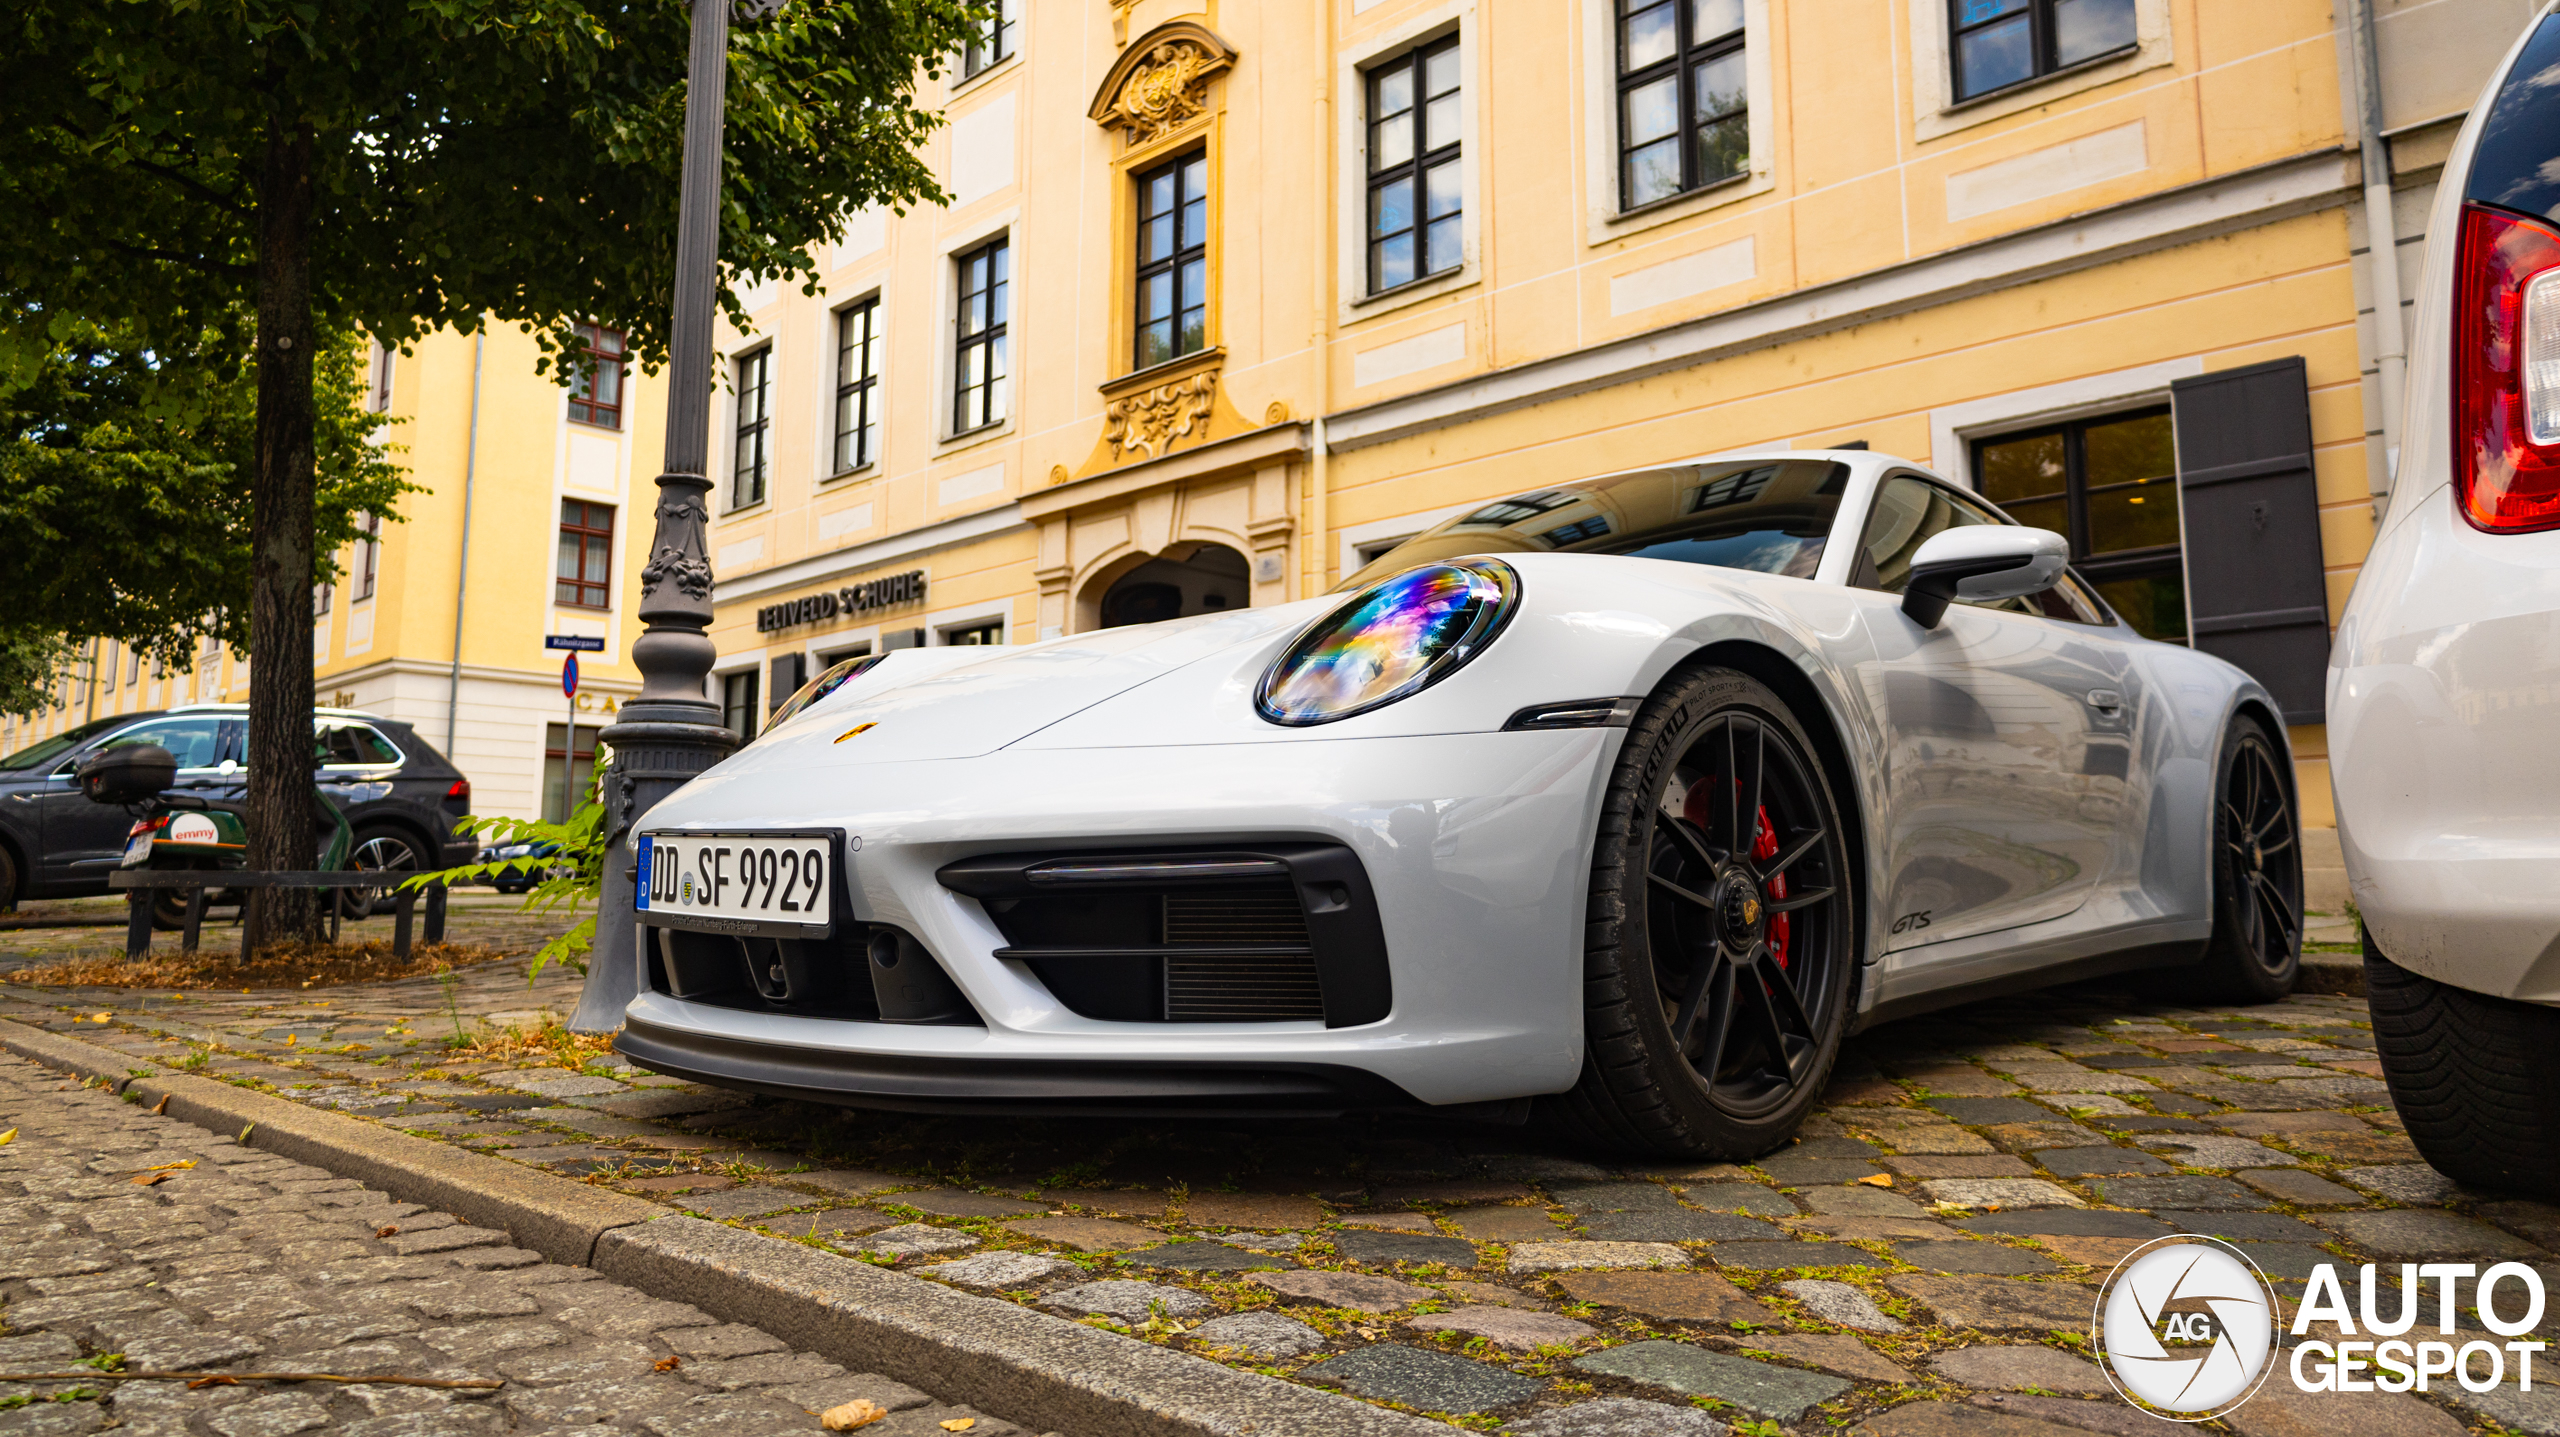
181,831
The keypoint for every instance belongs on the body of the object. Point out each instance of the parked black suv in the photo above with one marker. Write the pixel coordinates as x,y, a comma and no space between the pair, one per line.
399,795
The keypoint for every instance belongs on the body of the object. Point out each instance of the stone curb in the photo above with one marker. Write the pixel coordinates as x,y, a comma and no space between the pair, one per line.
1022,1365
559,1219
2332,973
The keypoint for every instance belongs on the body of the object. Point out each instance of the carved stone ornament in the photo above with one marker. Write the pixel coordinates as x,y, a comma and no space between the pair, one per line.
1151,420
1161,83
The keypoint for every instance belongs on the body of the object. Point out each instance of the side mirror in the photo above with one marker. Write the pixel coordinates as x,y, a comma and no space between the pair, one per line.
1981,561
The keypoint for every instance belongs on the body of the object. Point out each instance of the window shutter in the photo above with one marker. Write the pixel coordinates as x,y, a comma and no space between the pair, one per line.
788,676
2255,594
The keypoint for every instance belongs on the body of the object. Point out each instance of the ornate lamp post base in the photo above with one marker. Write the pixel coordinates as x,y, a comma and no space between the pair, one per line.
670,732
657,748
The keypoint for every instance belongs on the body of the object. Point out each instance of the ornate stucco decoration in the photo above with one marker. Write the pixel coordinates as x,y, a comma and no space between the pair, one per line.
1150,421
1161,82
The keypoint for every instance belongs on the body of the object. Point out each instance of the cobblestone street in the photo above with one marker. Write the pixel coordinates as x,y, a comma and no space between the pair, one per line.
1922,1261
179,1249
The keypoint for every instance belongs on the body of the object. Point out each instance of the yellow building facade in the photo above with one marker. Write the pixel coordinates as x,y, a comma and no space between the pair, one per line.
532,466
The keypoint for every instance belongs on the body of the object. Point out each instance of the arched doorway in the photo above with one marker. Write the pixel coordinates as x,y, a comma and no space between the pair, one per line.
1176,585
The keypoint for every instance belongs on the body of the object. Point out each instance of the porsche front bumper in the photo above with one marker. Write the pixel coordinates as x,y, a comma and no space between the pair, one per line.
1476,848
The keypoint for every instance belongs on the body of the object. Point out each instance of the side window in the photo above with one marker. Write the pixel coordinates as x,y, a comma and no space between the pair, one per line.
1910,512
193,741
353,746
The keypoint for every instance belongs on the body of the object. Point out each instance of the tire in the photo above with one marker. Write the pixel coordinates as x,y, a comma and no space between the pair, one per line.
1680,928
386,848
8,880
2471,1076
2255,952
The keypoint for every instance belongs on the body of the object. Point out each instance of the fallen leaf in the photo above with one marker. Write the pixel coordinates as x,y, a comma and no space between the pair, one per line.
959,1424
8,1137
860,1412
161,1108
1877,1180
144,1180
101,1017
1991,1207
289,1040
666,1364
245,1132
388,1229
214,1381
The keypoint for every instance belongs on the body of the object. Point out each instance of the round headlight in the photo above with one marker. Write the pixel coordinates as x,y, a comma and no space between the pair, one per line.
1396,637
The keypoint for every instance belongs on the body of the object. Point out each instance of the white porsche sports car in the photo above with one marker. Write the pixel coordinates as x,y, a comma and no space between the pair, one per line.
1633,795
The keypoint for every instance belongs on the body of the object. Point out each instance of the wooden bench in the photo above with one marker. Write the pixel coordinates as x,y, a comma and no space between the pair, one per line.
196,881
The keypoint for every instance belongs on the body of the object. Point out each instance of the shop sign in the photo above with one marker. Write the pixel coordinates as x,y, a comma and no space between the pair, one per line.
893,592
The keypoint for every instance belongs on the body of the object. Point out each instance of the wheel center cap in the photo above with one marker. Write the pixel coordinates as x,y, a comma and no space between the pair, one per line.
1739,910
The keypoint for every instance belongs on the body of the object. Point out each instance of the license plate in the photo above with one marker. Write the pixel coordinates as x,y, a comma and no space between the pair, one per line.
137,849
775,884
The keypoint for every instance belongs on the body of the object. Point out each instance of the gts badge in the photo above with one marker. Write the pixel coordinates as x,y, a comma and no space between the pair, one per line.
1911,922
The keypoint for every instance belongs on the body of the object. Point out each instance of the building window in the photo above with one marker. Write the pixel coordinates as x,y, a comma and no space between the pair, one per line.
755,428
978,399
320,597
595,392
990,632
380,399
584,575
857,386
2111,486
368,555
1173,260
996,39
1999,43
1683,97
568,777
1415,189
738,712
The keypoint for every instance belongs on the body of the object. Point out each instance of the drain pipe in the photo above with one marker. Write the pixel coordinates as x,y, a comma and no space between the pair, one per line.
2381,247
462,580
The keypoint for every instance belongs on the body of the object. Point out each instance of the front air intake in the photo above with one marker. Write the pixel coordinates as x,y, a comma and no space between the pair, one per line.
1287,933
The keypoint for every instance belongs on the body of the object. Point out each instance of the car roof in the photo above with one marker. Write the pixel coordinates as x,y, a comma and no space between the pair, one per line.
317,711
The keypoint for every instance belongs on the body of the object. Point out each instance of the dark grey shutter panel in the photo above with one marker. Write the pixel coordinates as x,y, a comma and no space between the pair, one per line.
2255,595
788,676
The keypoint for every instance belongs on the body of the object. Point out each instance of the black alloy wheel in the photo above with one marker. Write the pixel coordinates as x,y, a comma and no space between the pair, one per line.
385,851
1723,927
2255,952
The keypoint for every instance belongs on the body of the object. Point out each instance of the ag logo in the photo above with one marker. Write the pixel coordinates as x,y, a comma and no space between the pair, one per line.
2188,1326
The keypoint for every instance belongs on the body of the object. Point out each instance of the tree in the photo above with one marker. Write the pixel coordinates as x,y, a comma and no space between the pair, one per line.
399,165
107,449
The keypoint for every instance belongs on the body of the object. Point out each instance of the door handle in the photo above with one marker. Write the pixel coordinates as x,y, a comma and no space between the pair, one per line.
2105,700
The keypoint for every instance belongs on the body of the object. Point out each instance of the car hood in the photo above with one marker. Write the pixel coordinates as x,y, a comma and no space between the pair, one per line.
922,704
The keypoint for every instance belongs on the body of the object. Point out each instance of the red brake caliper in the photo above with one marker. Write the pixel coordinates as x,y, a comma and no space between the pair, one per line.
1764,846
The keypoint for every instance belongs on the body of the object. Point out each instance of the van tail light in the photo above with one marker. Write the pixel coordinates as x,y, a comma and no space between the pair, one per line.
461,789
2506,373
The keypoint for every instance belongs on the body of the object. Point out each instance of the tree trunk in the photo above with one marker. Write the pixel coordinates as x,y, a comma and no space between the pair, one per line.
280,753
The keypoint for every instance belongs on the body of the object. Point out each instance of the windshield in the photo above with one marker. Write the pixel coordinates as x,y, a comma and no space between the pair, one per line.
1771,517
45,751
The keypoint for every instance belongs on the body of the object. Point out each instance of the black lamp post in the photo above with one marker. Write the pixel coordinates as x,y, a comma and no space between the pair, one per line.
671,732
